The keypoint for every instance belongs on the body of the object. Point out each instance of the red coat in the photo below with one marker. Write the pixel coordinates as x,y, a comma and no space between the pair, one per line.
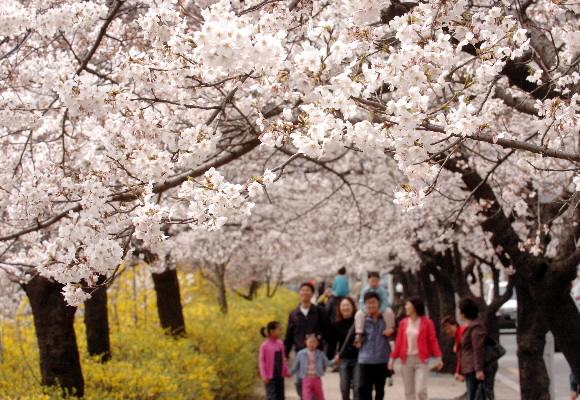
457,346
427,343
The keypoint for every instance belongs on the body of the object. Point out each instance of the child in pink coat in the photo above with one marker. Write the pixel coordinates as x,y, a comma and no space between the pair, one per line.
273,367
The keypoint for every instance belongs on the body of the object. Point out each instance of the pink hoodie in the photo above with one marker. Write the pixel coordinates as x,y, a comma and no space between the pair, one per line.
267,350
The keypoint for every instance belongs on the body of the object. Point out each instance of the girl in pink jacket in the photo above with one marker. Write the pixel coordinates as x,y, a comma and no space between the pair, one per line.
273,367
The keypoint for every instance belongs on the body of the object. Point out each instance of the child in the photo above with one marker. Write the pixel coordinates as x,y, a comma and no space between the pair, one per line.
273,367
388,315
309,367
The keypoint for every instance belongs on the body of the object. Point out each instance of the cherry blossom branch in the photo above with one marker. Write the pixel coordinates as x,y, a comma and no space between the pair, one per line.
257,6
110,16
134,194
513,144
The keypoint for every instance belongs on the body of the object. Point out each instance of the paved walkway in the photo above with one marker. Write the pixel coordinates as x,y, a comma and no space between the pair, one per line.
441,387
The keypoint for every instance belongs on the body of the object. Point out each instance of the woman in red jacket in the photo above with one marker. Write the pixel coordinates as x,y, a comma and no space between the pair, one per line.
416,342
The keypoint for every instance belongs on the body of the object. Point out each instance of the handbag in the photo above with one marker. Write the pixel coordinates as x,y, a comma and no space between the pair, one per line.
493,351
482,393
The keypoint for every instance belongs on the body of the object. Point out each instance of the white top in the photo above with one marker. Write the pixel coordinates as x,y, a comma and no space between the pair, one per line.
304,311
412,336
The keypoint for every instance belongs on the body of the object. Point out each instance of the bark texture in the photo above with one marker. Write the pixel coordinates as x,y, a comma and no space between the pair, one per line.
53,321
97,325
169,306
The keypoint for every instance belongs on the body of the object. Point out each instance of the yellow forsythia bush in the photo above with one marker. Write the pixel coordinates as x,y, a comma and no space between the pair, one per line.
217,360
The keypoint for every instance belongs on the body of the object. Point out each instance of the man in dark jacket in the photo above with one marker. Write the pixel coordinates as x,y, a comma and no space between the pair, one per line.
306,319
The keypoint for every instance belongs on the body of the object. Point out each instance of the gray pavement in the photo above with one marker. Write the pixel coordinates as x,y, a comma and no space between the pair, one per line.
509,375
441,387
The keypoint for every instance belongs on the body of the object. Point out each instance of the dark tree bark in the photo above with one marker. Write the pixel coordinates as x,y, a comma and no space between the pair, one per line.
53,321
169,306
531,339
252,291
217,277
97,325
440,296
447,306
222,297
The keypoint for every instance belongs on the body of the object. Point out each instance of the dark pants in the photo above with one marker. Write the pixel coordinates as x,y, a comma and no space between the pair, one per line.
574,387
348,378
298,386
472,384
372,376
275,389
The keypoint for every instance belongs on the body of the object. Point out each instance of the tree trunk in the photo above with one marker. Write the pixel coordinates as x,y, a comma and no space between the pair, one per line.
97,325
563,318
222,298
531,338
169,302
446,294
54,324
253,289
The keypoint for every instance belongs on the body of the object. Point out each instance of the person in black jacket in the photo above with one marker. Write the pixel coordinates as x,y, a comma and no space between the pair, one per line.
304,320
347,357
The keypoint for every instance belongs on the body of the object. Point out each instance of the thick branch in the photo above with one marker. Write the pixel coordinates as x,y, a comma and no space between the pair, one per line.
496,222
514,144
526,106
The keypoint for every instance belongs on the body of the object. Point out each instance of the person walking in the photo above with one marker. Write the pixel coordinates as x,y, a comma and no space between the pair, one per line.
347,357
374,352
416,342
340,290
309,368
473,366
451,328
272,363
305,319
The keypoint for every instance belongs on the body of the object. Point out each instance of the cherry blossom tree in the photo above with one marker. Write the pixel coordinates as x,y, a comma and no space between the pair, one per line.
119,117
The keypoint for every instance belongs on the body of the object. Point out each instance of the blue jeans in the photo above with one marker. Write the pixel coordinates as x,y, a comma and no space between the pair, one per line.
348,370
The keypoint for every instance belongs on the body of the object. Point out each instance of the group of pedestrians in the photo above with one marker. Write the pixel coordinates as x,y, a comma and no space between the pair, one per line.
363,343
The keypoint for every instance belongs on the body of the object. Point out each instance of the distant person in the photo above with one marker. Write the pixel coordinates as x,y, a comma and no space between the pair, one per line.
323,299
416,343
309,368
388,314
398,306
451,328
272,363
340,285
347,357
305,319
473,366
374,352
321,288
